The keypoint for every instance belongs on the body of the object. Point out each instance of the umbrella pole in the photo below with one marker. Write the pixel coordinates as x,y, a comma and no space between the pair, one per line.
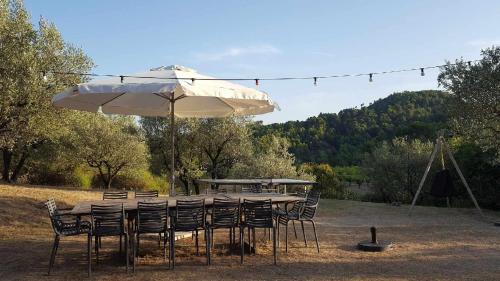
172,135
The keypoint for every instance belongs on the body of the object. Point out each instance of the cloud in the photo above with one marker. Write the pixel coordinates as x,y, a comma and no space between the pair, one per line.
232,52
480,43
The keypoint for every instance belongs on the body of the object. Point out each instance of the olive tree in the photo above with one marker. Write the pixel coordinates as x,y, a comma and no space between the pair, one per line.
109,144
475,106
27,52
395,169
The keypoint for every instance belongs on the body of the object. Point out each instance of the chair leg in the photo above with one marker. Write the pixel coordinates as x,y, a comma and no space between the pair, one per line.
304,233
315,235
254,241
197,248
294,230
286,237
172,247
230,240
167,240
269,237
159,240
212,237
242,243
278,229
97,246
164,247
249,242
126,251
207,246
89,254
54,252
134,252
121,242
138,238
274,245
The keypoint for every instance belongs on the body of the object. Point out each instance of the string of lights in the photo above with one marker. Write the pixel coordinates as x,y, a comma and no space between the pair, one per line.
315,79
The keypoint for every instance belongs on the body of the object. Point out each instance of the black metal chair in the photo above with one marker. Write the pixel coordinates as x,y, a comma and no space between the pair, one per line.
146,194
113,195
152,218
107,220
257,214
306,212
225,215
63,227
190,215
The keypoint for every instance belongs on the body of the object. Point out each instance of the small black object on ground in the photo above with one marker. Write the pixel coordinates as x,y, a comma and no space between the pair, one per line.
497,223
374,245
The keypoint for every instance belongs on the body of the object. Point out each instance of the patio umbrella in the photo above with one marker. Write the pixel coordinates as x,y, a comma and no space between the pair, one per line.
166,91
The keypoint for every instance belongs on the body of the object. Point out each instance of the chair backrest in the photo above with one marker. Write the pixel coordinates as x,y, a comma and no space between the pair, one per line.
55,219
112,195
226,212
189,215
258,213
311,205
152,217
108,219
146,194
301,193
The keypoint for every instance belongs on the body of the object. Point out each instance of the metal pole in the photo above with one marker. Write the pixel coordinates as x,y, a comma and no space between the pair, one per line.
172,135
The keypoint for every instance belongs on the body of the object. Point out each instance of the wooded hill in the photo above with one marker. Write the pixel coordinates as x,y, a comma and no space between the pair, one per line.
342,138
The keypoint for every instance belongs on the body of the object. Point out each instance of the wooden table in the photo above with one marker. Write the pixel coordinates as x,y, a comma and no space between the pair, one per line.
269,182
130,205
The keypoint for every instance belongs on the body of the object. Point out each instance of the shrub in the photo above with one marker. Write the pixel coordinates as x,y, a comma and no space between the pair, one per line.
82,177
328,182
136,180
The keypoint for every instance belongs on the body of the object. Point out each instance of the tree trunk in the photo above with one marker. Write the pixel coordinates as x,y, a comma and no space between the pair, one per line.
185,182
103,178
110,179
7,159
196,186
19,166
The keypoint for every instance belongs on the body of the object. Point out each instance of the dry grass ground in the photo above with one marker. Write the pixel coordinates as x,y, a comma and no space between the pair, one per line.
435,244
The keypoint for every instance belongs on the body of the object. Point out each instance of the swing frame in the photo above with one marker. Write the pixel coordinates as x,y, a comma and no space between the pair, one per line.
441,144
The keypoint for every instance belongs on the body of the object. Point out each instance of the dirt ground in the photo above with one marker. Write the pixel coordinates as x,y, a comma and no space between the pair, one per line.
434,244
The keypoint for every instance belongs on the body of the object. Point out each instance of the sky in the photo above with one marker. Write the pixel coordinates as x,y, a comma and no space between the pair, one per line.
258,39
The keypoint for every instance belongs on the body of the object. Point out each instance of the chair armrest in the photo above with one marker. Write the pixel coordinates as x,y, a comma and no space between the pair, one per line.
300,202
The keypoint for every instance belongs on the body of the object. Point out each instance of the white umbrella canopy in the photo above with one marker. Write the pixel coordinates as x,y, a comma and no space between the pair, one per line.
149,96
166,91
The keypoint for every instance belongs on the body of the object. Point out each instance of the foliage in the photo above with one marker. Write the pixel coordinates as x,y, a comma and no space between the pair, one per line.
395,168
481,172
188,159
328,182
343,138
138,179
108,144
27,119
202,146
224,142
475,103
82,177
351,174
271,159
